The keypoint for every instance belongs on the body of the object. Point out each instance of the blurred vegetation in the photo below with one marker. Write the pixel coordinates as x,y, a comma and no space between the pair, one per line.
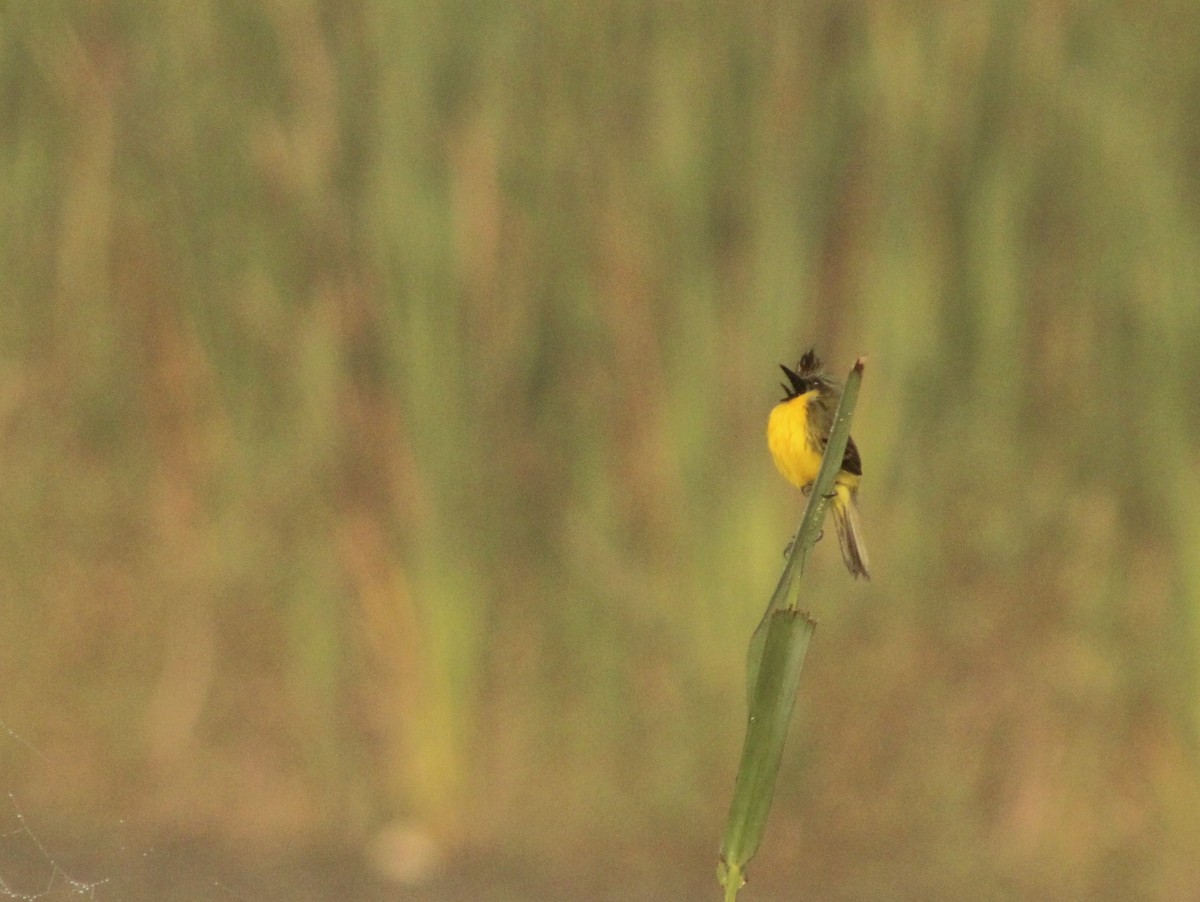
382,393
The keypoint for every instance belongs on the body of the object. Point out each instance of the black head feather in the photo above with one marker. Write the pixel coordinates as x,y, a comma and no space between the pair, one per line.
804,378
810,363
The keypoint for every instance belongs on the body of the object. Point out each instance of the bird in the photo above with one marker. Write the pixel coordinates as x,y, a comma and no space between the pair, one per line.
797,433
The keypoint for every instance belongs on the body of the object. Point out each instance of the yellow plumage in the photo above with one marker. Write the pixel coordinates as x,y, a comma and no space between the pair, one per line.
787,437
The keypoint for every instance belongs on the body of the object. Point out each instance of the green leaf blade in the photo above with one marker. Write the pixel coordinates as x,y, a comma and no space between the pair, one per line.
785,647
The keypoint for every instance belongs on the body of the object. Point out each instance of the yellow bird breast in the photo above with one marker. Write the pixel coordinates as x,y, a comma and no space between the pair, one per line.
787,437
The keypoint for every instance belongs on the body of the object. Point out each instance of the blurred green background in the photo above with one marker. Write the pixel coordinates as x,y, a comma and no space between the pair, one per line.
382,471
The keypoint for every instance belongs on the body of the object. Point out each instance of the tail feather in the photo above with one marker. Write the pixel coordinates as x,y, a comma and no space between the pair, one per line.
849,530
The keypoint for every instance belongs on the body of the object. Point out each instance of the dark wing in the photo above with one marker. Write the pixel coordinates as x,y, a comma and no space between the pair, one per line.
851,462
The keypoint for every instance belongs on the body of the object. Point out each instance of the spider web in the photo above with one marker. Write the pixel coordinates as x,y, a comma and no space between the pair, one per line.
21,843
30,872
20,849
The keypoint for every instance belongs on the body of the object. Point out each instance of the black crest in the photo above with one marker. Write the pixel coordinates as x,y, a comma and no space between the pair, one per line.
804,378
